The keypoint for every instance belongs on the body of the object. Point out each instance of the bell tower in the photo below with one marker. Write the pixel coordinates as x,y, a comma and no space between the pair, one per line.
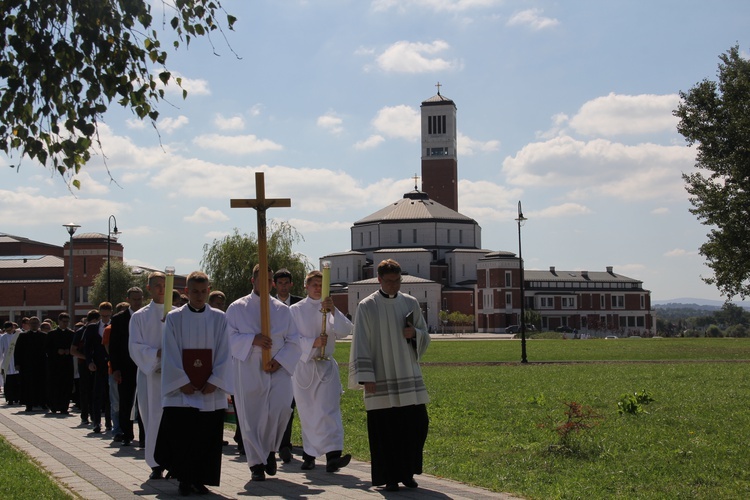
439,155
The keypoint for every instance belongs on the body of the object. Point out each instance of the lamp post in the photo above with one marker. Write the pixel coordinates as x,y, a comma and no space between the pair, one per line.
71,228
521,219
110,233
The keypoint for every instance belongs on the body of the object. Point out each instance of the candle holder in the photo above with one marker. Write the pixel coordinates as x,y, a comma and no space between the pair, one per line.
325,292
168,289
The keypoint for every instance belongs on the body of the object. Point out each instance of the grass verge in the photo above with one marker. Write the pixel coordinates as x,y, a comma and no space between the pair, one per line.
20,477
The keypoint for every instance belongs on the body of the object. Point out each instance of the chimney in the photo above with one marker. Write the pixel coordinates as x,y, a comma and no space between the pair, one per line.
609,270
552,270
585,274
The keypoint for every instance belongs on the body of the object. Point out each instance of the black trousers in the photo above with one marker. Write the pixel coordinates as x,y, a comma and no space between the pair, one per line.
126,389
100,398
397,436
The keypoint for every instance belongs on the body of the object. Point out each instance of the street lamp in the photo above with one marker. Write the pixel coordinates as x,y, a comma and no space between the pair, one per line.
521,219
71,228
110,233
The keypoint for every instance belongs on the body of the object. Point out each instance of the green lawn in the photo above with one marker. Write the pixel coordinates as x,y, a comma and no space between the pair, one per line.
20,478
493,425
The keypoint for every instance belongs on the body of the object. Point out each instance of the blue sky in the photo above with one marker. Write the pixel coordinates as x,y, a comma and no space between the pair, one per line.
566,106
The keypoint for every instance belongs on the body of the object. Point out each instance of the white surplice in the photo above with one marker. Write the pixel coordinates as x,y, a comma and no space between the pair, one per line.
144,343
185,328
317,384
263,399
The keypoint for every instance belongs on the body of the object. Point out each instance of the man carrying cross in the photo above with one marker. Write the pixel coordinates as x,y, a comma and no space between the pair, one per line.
263,392
265,350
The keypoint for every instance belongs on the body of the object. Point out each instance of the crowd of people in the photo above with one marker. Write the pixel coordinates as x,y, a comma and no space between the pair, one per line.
175,371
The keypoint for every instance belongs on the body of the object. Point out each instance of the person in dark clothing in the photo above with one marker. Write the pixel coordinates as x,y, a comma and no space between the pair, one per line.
59,366
84,383
97,361
124,370
31,362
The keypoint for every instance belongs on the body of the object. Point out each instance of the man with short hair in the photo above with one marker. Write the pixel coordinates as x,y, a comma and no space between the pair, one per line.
217,300
196,378
263,393
144,344
316,381
30,358
97,362
124,370
283,283
390,337
59,366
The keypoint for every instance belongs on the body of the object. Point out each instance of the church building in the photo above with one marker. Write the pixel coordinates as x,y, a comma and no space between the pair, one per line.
446,269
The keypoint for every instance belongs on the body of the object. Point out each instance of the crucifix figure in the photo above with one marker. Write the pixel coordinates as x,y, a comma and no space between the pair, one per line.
261,204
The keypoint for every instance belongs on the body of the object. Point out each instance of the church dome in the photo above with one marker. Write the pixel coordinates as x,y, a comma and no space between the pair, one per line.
415,206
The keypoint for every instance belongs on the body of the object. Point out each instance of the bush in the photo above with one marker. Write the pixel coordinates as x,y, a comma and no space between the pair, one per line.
714,331
737,331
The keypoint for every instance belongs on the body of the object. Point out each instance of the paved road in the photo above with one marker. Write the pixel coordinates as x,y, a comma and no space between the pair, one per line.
92,467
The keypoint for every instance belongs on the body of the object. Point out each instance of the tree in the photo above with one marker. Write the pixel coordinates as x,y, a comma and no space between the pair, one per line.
229,261
62,64
715,116
123,278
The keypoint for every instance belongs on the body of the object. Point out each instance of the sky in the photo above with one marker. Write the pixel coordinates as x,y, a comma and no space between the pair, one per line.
563,106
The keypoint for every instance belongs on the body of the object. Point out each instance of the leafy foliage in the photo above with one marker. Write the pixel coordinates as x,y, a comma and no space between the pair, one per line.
63,63
633,403
715,116
123,278
229,261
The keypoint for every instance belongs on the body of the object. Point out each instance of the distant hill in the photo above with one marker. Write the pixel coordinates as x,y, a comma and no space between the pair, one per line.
692,303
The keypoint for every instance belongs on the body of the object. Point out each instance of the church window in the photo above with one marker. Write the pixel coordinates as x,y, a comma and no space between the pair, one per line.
84,266
508,300
436,125
508,279
460,236
399,236
414,235
361,239
370,235
449,235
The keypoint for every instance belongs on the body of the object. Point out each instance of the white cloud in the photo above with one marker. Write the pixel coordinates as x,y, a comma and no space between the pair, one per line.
371,142
204,215
660,211
236,144
468,146
532,18
142,231
331,123
487,201
135,123
305,226
170,124
601,168
415,57
398,121
433,5
676,252
23,208
229,123
256,109
216,235
563,210
194,87
616,114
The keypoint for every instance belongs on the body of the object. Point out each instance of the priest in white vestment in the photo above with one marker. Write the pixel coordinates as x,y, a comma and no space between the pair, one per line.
390,337
144,344
196,378
263,397
316,382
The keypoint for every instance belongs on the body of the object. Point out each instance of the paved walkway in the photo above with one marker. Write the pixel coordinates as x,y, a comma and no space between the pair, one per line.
93,468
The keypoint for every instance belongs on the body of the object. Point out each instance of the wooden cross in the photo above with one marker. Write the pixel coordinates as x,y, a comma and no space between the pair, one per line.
261,204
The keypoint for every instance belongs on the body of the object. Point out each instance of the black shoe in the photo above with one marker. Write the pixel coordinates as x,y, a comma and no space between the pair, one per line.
200,489
337,463
126,442
97,429
29,409
257,472
184,489
391,487
225,443
156,473
410,483
271,464
285,454
308,464
119,437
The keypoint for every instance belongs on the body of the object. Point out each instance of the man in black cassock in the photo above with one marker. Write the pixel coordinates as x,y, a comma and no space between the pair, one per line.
59,366
31,362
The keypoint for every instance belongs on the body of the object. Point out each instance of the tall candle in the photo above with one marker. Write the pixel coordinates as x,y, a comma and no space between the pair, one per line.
168,288
326,280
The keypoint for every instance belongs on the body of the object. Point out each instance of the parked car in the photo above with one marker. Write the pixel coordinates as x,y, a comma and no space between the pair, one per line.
517,328
564,329
611,337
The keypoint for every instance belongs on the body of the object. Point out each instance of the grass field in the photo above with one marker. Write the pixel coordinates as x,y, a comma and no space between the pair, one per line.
493,426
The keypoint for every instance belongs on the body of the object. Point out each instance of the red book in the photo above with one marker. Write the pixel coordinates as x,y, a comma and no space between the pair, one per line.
198,365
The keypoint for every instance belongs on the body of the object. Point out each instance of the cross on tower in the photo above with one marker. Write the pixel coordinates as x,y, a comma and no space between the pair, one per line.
261,204
438,87
415,182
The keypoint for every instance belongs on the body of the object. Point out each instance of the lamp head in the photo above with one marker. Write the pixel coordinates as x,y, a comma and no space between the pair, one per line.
71,228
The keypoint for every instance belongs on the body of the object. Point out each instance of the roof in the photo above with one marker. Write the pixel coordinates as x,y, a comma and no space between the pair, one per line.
401,250
471,250
342,254
9,238
558,275
30,261
415,206
438,99
405,278
92,236
499,255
